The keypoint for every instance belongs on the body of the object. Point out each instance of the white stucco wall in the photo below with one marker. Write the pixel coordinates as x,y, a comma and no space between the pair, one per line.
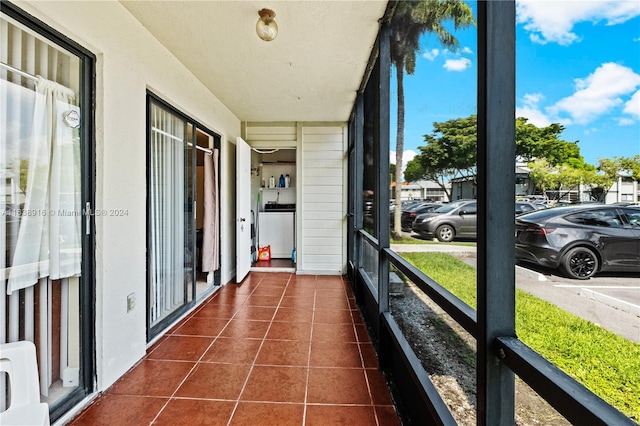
130,61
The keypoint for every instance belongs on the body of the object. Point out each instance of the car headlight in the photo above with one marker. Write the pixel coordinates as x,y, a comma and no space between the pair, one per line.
425,220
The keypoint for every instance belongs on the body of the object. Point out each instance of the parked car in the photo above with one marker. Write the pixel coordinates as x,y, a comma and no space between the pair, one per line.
408,216
405,206
449,221
581,240
526,206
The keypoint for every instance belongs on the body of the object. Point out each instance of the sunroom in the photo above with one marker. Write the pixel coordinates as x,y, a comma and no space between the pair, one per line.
180,140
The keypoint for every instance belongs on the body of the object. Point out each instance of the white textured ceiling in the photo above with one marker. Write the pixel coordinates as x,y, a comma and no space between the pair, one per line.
310,72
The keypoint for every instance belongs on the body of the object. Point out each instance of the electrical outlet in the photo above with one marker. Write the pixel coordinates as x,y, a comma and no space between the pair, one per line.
131,302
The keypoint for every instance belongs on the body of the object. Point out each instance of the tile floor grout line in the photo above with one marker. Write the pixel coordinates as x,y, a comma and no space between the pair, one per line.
195,365
306,387
253,364
197,362
318,313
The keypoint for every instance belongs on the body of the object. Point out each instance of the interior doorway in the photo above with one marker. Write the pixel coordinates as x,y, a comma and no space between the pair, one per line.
274,210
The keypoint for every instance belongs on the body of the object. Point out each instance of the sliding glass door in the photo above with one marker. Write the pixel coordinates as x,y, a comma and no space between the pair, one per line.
46,165
174,244
170,215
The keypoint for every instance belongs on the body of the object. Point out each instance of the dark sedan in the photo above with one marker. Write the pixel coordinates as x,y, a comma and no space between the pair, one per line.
408,216
581,240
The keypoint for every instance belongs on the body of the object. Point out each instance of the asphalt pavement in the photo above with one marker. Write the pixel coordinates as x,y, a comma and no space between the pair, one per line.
611,301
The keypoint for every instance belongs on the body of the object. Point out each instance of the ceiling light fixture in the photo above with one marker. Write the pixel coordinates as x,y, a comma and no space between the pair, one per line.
266,26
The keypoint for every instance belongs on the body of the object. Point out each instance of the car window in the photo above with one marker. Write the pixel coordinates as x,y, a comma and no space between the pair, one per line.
446,208
470,208
523,207
601,217
633,217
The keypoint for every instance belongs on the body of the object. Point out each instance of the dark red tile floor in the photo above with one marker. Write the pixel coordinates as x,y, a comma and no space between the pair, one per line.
278,349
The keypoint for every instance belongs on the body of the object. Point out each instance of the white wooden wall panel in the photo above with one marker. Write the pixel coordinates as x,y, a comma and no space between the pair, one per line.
328,180
322,206
327,206
320,241
321,264
259,132
324,216
285,132
321,231
320,197
330,145
323,190
317,172
321,163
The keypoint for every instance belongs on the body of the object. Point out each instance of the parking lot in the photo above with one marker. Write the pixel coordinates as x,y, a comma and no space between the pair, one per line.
611,301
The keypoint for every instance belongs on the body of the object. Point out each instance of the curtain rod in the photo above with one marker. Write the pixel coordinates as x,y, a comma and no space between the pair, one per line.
208,151
177,139
17,71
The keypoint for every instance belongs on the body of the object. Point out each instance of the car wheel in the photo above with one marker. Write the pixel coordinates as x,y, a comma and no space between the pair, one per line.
580,263
445,233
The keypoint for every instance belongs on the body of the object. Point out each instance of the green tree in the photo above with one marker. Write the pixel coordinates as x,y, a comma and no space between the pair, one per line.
630,166
410,20
449,152
534,142
609,170
558,180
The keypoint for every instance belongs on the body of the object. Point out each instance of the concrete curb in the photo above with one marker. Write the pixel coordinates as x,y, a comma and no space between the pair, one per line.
458,250
611,301
532,274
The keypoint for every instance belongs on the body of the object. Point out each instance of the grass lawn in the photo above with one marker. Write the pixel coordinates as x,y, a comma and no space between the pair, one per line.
605,363
411,240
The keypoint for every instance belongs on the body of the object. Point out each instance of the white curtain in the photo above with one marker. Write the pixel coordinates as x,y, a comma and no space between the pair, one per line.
48,242
34,138
167,216
211,231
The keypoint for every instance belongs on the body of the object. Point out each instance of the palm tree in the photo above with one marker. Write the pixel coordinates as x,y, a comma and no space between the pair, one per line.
409,22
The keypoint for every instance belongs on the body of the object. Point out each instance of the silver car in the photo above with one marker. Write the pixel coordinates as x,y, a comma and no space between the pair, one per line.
452,220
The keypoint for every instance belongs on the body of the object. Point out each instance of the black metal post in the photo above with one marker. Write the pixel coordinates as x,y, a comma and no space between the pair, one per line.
496,198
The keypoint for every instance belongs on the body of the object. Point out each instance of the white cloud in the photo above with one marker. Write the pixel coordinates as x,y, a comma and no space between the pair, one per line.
430,54
598,93
625,122
467,50
553,21
406,157
632,106
530,109
460,64
532,99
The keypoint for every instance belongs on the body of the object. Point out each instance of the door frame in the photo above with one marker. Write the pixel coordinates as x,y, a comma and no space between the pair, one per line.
87,292
159,328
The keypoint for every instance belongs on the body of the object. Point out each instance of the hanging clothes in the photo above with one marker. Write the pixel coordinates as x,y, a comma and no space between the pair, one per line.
211,227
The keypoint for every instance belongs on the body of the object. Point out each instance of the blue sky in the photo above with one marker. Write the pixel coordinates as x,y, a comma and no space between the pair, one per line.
578,64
